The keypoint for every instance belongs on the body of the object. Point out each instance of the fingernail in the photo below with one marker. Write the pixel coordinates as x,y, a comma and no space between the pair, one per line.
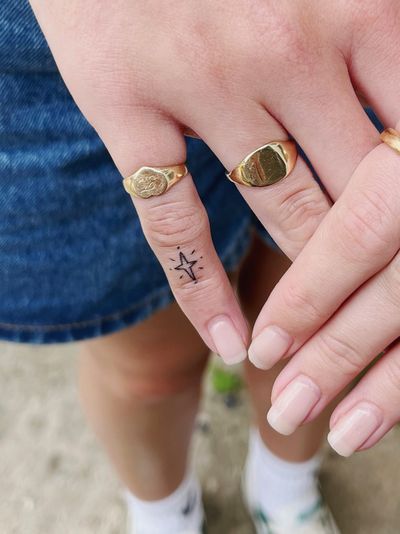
353,429
229,343
269,347
293,405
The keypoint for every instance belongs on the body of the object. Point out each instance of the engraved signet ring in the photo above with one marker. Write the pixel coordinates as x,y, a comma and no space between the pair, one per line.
266,166
153,181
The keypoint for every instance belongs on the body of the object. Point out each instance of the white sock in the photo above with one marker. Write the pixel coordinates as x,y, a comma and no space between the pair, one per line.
179,513
275,485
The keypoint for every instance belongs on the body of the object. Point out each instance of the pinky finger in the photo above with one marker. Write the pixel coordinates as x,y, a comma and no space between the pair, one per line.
370,410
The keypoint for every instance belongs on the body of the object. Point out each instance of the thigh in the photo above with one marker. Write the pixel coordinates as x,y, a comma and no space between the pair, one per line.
162,355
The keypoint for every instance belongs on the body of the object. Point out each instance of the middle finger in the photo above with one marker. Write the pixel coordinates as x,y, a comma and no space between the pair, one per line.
338,352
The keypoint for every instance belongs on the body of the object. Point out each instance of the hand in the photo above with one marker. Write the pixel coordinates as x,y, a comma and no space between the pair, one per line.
239,74
339,305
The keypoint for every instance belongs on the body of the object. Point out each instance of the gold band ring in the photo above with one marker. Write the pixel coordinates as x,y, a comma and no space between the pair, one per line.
153,181
392,138
266,166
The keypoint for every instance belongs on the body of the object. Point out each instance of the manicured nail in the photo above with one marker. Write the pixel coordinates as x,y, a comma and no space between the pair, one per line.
229,343
269,347
293,405
353,429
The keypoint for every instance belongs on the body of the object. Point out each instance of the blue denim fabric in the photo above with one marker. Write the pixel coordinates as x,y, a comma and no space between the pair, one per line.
74,263
73,260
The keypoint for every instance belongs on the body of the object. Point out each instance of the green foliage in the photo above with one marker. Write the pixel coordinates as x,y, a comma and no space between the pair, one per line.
225,380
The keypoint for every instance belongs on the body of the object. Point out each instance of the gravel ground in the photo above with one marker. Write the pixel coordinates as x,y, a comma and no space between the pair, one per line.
54,478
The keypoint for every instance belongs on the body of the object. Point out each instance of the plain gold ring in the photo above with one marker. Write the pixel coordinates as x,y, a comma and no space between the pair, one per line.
391,137
266,166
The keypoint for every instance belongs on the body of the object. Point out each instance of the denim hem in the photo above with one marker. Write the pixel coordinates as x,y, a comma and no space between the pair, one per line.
231,257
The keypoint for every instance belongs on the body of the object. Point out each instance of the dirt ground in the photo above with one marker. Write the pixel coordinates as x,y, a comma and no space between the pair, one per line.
54,478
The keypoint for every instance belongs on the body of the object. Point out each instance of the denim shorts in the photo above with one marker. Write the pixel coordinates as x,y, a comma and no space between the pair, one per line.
74,262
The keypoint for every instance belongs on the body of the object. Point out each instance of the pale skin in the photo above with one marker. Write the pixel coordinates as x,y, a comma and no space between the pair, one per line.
140,389
263,68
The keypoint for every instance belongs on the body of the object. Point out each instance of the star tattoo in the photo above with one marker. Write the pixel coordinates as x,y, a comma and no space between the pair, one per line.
186,265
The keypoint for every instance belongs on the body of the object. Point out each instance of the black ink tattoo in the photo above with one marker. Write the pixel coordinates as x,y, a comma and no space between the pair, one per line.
186,265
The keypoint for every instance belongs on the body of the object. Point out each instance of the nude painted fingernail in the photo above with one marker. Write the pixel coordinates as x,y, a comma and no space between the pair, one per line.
293,405
228,341
353,429
269,347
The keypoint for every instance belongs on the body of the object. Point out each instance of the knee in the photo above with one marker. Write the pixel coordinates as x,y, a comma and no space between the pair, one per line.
153,387
152,377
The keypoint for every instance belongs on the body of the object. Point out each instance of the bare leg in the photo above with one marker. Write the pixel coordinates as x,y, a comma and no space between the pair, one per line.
140,390
259,274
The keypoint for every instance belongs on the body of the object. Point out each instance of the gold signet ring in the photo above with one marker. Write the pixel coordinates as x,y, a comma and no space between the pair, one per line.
267,165
153,181
392,138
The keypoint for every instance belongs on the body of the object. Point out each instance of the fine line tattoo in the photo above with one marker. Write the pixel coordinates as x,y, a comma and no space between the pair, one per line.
186,265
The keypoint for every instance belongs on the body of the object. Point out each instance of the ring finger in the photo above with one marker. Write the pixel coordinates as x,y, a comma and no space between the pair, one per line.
291,209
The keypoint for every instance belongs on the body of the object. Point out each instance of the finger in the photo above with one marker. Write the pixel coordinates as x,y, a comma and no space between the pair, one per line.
177,229
327,120
370,410
364,326
291,209
374,63
358,237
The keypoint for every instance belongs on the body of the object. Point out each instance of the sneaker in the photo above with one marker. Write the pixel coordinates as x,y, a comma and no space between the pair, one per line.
317,519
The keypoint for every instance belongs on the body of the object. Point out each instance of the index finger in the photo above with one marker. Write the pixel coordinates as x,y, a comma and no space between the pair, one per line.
358,237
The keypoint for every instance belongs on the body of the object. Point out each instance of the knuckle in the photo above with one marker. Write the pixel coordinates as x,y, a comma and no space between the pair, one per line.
302,304
211,67
285,32
262,33
301,212
392,369
339,354
365,227
201,293
289,42
294,47
177,223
